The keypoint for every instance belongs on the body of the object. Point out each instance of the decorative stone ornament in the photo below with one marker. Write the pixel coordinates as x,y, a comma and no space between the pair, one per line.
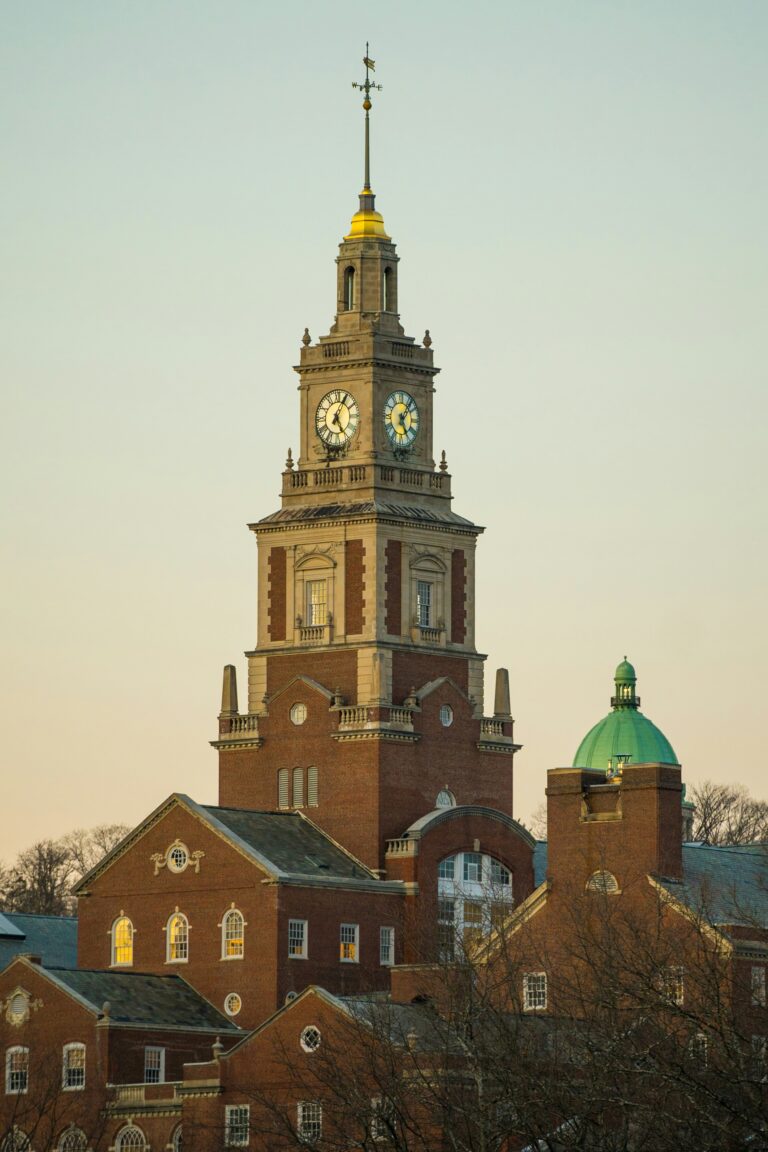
177,858
19,1007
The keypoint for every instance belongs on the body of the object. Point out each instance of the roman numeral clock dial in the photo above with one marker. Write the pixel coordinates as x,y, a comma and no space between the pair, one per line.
401,420
336,419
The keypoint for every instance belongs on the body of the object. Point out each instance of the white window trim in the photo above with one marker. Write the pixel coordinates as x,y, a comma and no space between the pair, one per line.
9,1052
386,963
114,962
128,1128
301,1121
229,912
229,1110
528,1005
305,940
175,959
74,1046
161,1068
349,959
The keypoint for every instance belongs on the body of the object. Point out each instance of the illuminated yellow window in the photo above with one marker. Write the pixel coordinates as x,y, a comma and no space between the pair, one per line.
233,934
177,942
348,943
122,941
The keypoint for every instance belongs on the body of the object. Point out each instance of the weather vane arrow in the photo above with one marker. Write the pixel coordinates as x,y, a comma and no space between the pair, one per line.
367,87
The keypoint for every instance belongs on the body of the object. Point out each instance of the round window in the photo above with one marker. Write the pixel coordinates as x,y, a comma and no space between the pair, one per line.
177,857
298,713
232,1004
310,1038
446,715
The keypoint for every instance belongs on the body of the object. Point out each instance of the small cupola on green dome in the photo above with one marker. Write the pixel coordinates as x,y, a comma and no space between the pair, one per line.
624,736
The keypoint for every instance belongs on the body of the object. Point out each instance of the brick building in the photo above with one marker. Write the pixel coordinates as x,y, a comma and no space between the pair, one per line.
365,827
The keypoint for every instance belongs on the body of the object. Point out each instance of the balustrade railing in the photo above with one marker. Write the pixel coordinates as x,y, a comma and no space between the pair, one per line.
402,847
313,634
239,725
491,728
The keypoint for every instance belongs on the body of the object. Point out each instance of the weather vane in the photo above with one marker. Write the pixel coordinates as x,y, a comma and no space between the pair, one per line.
367,87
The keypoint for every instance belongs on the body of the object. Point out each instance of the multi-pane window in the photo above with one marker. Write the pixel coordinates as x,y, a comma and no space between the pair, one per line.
309,1121
310,1038
154,1065
122,942
698,1049
237,1125
349,936
297,938
534,991
73,1067
177,939
474,894
383,1117
312,799
759,1057
130,1139
386,946
232,935
176,1139
317,603
758,987
424,603
671,985
16,1070
73,1140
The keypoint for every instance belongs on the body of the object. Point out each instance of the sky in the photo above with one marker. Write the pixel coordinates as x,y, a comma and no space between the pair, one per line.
577,189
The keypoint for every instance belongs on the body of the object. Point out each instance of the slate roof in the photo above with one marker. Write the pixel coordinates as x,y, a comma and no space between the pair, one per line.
540,862
289,844
140,998
52,938
431,1032
366,508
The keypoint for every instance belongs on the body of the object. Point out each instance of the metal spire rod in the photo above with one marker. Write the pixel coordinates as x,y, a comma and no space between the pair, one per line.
367,87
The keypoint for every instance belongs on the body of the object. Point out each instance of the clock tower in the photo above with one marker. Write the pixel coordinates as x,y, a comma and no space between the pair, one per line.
365,689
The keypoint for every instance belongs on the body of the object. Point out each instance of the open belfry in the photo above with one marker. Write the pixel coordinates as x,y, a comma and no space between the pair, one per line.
364,844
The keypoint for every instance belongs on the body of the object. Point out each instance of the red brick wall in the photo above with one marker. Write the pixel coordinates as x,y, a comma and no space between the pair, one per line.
331,669
458,596
394,587
277,594
353,587
417,668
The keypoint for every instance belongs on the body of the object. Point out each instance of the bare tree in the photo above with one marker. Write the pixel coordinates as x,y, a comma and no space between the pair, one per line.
42,876
87,846
727,814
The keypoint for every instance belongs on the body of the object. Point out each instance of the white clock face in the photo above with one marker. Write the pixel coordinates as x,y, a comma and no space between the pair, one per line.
401,419
337,418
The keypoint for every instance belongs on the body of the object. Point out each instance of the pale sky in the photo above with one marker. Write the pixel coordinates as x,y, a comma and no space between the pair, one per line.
578,193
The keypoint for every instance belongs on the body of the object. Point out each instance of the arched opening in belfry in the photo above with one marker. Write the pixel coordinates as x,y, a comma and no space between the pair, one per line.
388,285
349,289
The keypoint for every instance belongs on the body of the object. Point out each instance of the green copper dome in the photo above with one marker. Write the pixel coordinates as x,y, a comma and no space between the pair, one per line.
624,736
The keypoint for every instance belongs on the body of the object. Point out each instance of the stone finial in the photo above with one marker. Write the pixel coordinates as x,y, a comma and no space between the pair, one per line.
501,705
411,1039
443,462
229,691
427,341
289,461
306,338
106,1008
217,1048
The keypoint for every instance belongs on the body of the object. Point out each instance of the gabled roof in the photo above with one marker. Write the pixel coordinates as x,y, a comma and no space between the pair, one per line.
139,998
286,846
726,884
52,938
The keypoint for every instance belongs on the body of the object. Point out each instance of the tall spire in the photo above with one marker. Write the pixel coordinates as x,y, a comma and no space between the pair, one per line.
367,221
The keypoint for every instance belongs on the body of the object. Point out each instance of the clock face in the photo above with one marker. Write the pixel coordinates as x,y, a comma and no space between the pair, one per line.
401,419
337,418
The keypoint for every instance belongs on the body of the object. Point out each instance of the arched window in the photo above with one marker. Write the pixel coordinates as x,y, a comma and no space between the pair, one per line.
130,1139
177,939
283,786
388,301
122,942
298,787
73,1067
349,289
445,799
16,1071
232,935
15,1141
474,894
73,1140
176,1142
604,882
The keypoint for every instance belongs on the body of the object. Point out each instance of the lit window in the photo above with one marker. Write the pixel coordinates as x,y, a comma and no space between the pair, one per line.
317,604
177,857
446,927
233,935
130,1139
312,798
297,938
386,946
73,1067
73,1140
424,603
446,715
232,1004
237,1125
283,785
534,991
177,939
298,714
310,1121
671,986
298,788
758,987
16,1071
473,920
310,1038
122,942
348,943
154,1065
